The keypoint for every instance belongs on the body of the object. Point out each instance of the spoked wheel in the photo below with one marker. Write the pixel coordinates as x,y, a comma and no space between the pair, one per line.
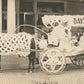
52,61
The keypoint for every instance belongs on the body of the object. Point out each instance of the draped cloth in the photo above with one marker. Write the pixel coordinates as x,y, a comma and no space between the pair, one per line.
15,43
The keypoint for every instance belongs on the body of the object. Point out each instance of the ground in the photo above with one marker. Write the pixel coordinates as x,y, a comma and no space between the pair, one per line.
71,75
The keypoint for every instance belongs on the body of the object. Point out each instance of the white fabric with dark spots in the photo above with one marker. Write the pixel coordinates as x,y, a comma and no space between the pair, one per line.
15,43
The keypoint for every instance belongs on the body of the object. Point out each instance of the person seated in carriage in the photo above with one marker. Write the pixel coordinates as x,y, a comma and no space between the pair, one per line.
74,41
81,42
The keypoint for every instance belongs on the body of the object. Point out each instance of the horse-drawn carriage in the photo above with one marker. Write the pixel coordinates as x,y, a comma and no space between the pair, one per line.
53,50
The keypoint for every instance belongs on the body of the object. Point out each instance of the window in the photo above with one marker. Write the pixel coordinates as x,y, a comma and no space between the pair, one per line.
26,6
4,16
26,12
25,15
51,7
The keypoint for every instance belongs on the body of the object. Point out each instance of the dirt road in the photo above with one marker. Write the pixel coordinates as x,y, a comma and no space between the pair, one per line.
71,75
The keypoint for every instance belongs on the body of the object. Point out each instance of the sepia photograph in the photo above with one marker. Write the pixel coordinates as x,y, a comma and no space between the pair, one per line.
41,41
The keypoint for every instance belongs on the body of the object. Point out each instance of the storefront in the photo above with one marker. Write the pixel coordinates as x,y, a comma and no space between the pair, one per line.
16,12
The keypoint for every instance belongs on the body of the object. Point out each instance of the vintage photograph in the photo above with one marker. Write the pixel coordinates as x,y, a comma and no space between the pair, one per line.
41,41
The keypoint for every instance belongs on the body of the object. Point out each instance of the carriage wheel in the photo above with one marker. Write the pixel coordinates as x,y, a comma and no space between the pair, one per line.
52,61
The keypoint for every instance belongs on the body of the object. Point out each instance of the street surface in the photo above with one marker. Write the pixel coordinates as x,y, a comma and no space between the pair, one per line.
71,75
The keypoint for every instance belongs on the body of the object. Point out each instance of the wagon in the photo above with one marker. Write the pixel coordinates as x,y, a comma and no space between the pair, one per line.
52,56
52,59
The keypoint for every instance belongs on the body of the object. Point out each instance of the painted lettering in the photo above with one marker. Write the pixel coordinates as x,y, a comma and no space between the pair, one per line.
78,20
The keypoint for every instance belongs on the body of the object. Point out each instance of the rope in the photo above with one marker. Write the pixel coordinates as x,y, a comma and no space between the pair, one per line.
30,50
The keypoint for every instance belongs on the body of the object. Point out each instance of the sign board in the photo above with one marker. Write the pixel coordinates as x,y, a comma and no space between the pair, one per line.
75,20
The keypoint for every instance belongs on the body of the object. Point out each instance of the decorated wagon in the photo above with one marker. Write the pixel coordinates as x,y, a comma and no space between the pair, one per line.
54,49
64,44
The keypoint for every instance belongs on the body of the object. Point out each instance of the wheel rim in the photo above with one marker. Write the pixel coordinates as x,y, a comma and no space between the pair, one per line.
52,61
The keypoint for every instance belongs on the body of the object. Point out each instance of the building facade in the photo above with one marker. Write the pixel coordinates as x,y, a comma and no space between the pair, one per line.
16,12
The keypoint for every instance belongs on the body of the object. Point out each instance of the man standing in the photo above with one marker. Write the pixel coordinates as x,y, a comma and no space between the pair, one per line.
31,56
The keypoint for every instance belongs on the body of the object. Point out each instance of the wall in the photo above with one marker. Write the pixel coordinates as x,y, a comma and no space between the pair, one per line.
75,8
14,62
